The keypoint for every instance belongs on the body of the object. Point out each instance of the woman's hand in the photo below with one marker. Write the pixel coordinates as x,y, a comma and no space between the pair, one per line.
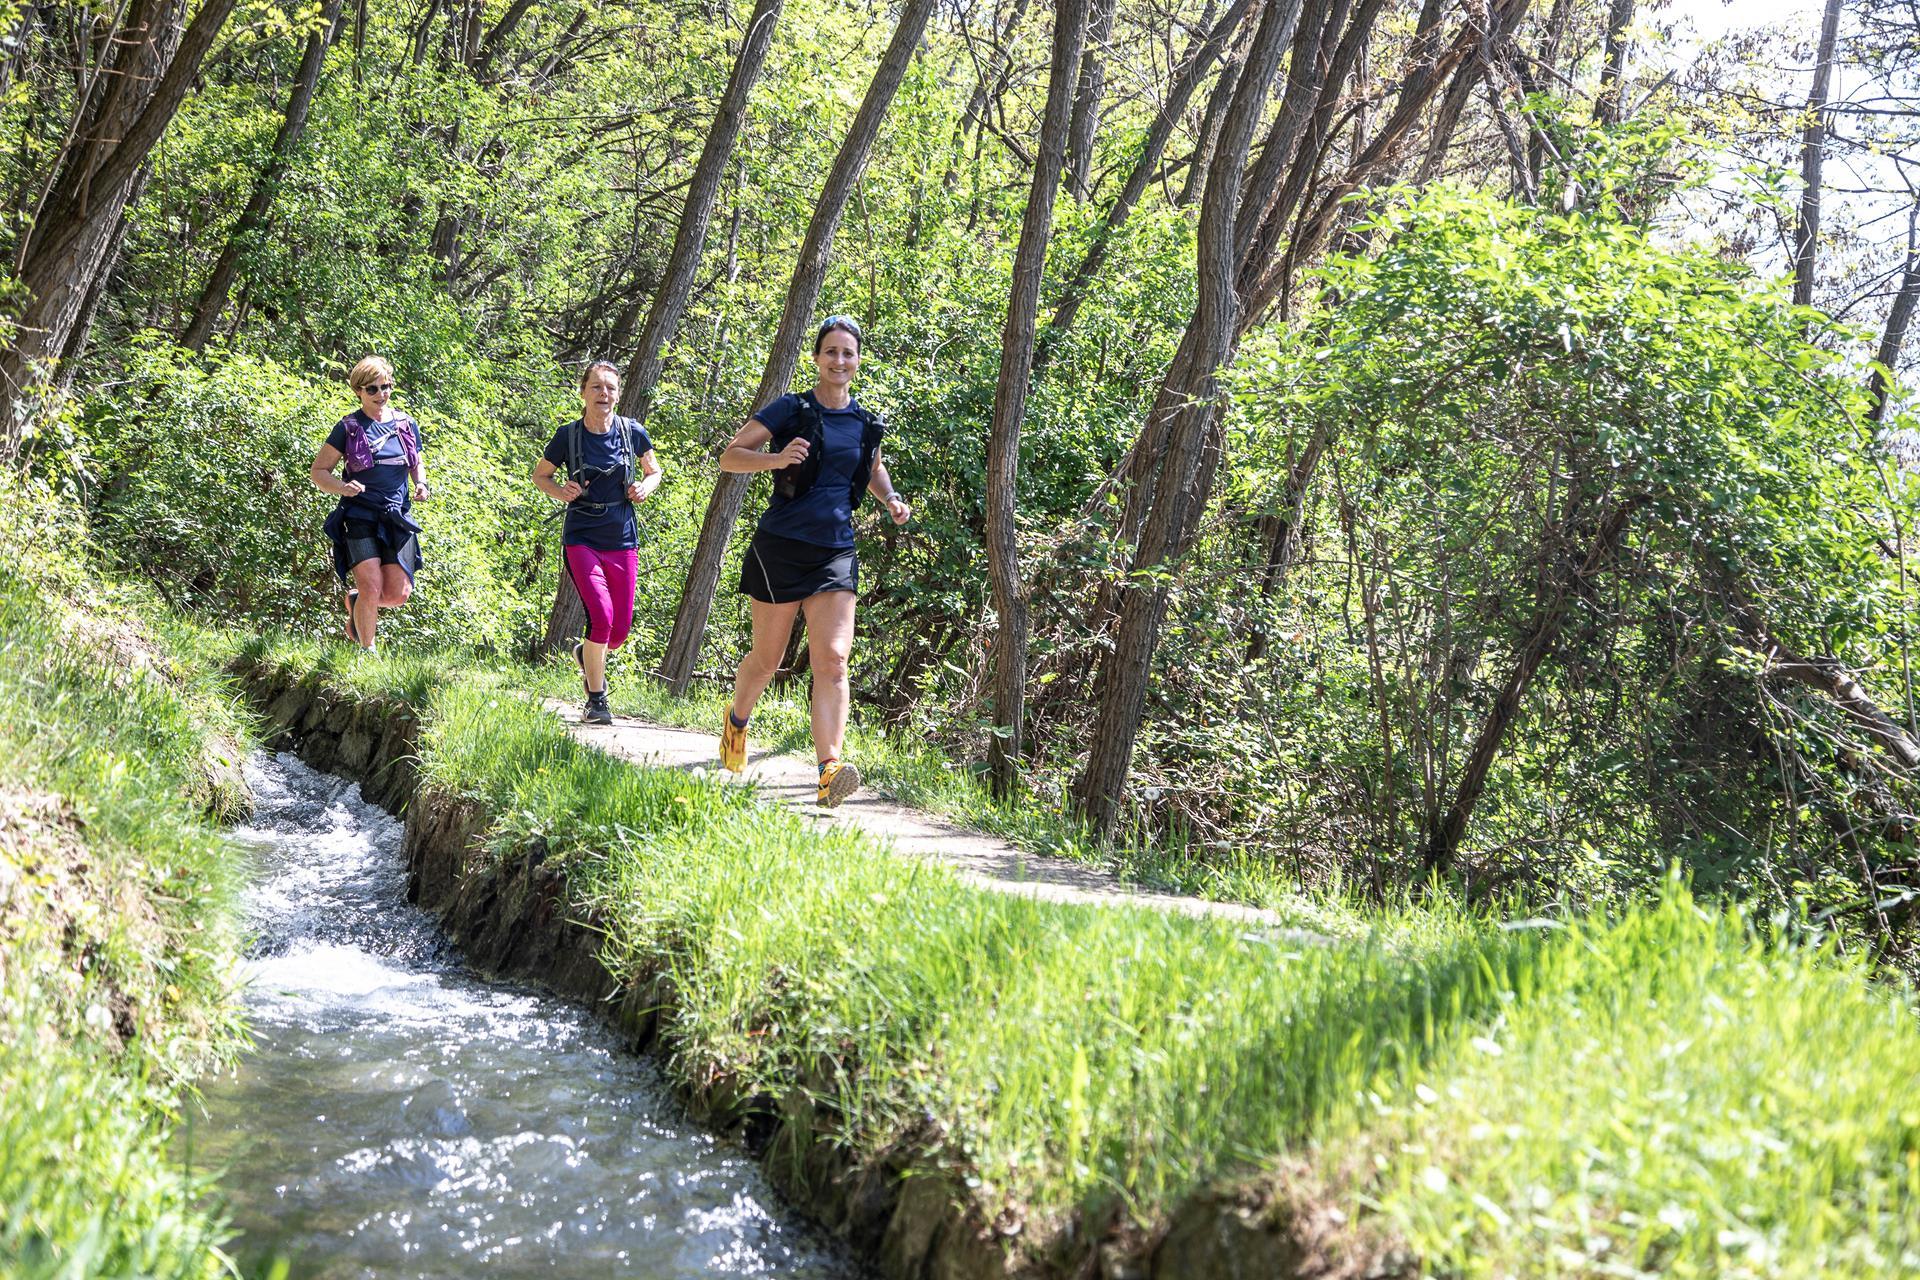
897,508
351,488
570,490
795,452
420,491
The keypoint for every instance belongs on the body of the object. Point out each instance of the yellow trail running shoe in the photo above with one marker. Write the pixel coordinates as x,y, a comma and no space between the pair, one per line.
837,782
733,745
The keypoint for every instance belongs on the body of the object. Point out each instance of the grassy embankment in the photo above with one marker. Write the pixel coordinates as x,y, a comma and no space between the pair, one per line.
1660,1091
117,934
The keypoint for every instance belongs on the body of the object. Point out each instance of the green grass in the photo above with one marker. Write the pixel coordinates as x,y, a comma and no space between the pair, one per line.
117,929
918,774
1679,1096
1666,1092
1073,1054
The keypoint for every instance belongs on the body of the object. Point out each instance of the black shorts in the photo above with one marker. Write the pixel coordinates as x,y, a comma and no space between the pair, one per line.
371,540
781,570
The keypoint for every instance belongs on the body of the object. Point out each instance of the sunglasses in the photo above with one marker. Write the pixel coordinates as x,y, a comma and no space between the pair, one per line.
837,322
377,388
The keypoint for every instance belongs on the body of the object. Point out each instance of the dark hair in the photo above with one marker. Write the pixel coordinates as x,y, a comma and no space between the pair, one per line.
608,365
846,324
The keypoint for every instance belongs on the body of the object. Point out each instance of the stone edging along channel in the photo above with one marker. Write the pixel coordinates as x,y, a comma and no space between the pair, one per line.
512,917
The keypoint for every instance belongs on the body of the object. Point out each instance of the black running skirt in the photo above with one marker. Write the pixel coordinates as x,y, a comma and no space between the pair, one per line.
780,570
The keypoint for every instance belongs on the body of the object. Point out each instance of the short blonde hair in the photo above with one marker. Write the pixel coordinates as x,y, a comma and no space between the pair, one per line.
367,370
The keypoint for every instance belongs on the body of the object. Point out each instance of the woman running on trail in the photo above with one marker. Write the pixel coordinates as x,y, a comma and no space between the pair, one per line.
825,452
610,466
376,544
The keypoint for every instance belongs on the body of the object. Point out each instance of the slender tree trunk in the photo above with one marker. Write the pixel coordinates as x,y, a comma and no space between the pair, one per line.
1195,181
70,243
1899,317
213,299
1091,86
497,36
1610,105
1443,841
1209,343
690,238
568,615
723,508
1284,537
1813,149
1010,399
1192,71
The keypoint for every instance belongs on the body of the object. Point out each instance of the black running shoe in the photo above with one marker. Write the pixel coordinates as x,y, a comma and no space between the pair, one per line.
597,711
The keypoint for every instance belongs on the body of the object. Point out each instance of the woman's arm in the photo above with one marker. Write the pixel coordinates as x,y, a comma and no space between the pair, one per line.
324,480
649,478
543,481
420,490
881,487
746,454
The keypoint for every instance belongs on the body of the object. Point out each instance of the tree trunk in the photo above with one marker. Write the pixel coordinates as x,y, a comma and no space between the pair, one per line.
1088,90
1444,840
1192,71
690,238
496,37
1195,181
70,242
1284,540
213,299
1813,148
729,492
1899,317
1610,104
1209,344
1010,399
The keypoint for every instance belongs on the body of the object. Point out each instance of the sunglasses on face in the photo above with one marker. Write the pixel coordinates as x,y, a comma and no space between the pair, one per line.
378,388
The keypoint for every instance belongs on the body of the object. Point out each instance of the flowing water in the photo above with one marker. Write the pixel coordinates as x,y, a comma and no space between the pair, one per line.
398,1116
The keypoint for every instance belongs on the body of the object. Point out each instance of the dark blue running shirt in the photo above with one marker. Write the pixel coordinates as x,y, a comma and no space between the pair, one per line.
386,479
613,529
823,515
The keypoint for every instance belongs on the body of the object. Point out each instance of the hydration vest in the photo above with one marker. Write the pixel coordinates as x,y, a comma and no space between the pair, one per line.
791,481
359,454
625,457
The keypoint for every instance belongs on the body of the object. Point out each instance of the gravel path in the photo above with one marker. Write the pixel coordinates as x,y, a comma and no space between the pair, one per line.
981,859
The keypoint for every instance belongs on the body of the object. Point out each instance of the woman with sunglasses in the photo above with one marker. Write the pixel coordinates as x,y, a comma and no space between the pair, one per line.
824,449
376,544
610,466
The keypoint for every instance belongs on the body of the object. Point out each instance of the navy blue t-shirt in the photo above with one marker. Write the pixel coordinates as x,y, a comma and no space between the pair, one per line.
607,475
386,479
823,515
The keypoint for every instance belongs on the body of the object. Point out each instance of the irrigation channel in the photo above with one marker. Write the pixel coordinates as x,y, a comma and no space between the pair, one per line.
400,1116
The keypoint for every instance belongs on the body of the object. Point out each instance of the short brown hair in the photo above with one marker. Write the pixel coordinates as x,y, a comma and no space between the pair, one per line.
608,365
367,370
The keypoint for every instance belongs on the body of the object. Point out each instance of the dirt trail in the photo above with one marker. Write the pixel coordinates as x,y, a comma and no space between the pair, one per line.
981,859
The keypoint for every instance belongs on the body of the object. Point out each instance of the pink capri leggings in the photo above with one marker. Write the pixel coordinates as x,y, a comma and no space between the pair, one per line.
605,581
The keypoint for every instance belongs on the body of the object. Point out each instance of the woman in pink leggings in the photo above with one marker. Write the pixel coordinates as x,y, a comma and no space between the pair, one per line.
609,465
